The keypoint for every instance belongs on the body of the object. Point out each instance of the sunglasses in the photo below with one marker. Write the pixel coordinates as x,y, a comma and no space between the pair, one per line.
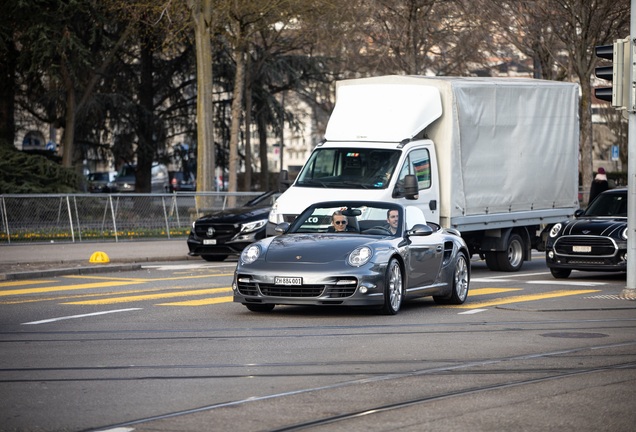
340,222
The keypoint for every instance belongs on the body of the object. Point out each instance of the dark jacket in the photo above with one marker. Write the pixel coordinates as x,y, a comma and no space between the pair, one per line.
598,186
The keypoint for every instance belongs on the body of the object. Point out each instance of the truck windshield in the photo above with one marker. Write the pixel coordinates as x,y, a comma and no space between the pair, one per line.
352,168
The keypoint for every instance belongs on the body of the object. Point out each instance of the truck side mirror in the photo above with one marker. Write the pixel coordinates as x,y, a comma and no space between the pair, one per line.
409,188
283,181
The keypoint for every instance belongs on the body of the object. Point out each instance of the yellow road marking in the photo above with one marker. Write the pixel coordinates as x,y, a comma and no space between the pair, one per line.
520,299
86,295
151,296
63,288
202,302
486,291
23,282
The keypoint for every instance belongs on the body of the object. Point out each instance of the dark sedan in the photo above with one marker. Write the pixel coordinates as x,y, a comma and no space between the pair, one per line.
368,265
595,240
227,232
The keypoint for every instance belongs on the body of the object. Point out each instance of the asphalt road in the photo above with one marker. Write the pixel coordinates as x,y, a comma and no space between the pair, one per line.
161,347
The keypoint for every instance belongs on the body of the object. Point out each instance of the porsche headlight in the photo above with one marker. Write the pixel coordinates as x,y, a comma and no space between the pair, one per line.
250,254
360,256
252,226
554,231
624,234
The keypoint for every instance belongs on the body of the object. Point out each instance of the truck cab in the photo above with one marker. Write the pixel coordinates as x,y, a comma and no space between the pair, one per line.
340,170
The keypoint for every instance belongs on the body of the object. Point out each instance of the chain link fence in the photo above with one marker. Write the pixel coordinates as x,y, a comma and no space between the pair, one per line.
107,217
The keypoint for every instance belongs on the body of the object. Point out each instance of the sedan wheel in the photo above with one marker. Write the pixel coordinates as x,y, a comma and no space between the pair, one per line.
393,288
461,281
560,273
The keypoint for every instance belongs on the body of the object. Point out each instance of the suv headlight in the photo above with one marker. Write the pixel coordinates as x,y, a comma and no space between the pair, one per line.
252,226
554,231
624,234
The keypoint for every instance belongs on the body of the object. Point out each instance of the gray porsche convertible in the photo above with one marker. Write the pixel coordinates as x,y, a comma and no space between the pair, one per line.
376,262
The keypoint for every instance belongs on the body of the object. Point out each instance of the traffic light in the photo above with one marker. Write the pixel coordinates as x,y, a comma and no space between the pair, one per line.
619,73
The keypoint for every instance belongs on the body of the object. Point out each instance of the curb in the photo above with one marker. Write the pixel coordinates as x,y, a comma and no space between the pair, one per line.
68,271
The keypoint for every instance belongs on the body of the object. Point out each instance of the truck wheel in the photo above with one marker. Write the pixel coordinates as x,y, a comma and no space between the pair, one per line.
491,261
560,273
511,259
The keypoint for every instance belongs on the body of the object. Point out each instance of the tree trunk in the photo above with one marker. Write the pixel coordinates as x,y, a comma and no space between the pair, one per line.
262,146
69,125
237,109
201,11
586,147
247,179
147,144
7,93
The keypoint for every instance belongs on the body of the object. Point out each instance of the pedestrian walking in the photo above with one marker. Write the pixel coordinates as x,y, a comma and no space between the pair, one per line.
599,184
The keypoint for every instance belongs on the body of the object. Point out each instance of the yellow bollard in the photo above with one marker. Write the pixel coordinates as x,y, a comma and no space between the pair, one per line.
99,258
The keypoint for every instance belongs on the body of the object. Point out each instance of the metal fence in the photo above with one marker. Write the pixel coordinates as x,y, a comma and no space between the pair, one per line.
107,217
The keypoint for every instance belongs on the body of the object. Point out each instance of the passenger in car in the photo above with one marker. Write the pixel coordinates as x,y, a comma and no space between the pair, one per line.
392,219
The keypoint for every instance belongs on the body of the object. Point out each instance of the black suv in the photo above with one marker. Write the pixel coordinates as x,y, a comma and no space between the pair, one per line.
227,232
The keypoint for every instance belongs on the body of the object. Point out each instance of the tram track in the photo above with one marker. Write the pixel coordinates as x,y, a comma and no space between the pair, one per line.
500,370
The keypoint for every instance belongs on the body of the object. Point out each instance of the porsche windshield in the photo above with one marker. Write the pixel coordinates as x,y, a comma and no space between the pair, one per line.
353,168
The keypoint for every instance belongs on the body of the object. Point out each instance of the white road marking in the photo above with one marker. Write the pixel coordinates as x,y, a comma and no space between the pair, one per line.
571,283
119,429
487,280
80,316
473,311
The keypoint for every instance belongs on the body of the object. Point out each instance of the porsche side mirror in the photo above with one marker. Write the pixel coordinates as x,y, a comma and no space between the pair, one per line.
420,230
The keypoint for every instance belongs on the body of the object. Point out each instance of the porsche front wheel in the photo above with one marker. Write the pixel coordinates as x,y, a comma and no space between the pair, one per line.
393,288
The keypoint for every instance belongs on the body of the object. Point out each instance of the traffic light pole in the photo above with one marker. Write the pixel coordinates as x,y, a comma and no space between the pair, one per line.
630,288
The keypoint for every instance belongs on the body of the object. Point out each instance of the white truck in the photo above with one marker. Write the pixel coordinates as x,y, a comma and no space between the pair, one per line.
495,158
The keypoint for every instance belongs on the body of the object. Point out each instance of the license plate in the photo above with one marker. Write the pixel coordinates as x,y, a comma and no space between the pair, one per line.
209,241
288,280
582,249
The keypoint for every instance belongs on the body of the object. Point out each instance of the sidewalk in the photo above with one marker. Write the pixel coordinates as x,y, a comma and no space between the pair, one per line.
40,260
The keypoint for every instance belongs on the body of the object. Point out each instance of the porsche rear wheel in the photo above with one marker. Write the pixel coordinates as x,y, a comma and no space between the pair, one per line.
393,288
461,281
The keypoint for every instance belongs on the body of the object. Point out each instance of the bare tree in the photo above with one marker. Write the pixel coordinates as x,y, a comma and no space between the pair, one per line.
561,36
201,11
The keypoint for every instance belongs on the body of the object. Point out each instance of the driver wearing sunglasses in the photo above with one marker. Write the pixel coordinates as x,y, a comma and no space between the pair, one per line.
338,222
